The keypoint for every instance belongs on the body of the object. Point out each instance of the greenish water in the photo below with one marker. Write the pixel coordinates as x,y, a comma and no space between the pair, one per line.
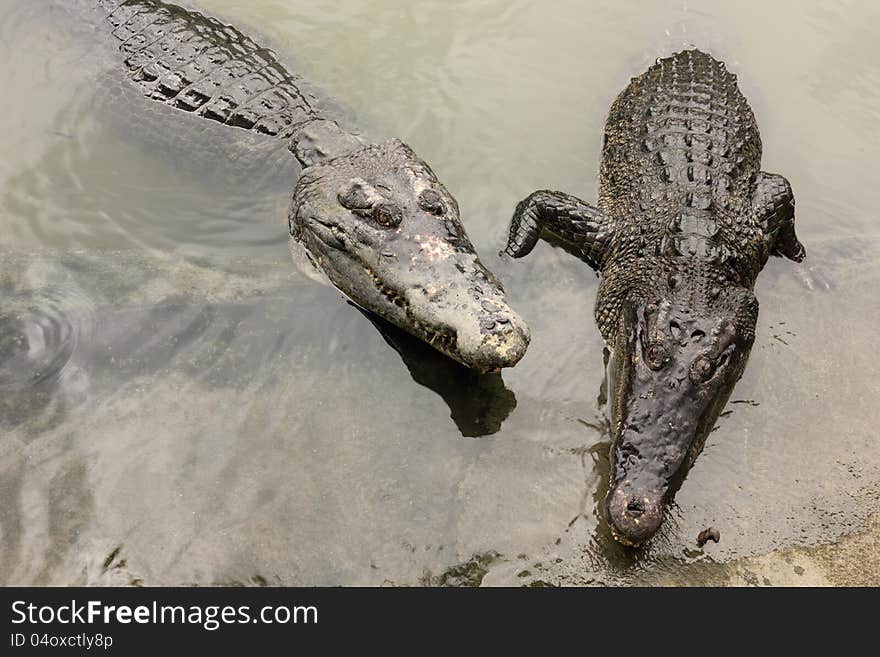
171,385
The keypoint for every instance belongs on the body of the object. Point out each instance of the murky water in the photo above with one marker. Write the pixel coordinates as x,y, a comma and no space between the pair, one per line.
179,404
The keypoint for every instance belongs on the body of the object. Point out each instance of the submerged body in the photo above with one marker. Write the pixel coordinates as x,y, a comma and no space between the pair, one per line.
373,217
685,222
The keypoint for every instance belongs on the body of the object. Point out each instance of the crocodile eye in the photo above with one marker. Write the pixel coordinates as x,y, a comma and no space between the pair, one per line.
387,214
355,197
430,201
656,356
702,370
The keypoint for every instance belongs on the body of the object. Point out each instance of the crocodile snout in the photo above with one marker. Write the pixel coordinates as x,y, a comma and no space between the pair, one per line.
493,343
634,515
480,332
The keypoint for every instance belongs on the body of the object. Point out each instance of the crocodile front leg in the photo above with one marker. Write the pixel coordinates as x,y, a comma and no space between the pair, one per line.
773,204
580,226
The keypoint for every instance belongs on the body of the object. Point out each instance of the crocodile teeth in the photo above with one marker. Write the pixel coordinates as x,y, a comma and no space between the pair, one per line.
445,340
386,291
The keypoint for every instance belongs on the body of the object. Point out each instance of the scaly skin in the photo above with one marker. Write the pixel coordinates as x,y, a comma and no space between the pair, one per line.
373,217
685,222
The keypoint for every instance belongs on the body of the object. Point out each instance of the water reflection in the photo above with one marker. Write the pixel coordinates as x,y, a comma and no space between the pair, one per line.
478,403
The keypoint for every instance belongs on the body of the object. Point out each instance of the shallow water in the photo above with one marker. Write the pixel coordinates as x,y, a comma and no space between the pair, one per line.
180,404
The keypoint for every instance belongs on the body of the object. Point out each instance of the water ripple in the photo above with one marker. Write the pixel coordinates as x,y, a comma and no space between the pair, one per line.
39,334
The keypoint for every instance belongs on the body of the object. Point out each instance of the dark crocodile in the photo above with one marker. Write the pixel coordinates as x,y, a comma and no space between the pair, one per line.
372,216
686,221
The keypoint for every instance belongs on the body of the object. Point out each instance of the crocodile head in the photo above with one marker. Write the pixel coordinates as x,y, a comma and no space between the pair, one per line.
673,367
388,235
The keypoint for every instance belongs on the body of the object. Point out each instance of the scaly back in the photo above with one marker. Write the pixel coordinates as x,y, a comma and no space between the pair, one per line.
680,155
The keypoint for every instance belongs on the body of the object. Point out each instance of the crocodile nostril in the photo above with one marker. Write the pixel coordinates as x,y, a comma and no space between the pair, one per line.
635,507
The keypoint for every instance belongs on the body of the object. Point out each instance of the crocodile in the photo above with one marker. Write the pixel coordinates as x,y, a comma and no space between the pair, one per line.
372,216
685,222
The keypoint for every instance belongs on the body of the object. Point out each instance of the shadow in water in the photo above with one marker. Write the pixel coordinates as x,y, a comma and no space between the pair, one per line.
478,403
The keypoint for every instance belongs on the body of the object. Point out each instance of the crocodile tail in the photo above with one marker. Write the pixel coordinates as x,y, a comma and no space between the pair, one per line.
197,64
